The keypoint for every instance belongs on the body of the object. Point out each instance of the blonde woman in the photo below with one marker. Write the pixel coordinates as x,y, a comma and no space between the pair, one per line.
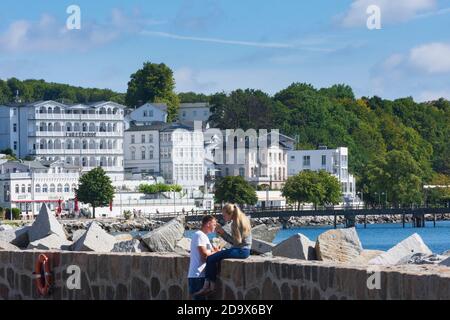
240,239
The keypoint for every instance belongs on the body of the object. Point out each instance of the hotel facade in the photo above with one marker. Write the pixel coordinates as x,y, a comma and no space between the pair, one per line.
81,135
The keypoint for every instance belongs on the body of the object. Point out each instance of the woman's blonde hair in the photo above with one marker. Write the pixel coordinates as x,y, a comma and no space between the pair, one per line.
241,224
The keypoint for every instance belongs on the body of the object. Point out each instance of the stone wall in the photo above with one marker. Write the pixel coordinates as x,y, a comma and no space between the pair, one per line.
163,276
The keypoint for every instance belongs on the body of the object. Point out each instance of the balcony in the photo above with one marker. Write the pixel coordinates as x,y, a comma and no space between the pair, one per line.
70,116
81,134
76,152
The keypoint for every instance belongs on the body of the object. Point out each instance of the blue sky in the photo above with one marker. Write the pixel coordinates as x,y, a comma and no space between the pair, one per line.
214,45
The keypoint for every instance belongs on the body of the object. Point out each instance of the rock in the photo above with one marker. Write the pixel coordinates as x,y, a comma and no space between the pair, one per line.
339,245
4,245
123,237
77,234
165,238
95,239
45,225
409,246
265,233
17,237
445,262
50,242
421,258
366,256
261,247
5,227
183,245
132,245
296,247
446,253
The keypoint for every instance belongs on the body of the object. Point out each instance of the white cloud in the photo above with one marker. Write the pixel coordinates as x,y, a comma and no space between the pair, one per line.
50,34
392,11
187,79
432,58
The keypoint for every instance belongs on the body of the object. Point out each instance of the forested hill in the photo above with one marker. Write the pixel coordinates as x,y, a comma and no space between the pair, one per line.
399,140
36,90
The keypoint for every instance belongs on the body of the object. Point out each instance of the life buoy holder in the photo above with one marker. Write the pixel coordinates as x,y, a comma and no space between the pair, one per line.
42,275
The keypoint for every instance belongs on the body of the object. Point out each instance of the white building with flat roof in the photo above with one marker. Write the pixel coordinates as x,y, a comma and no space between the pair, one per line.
334,161
199,111
82,135
28,184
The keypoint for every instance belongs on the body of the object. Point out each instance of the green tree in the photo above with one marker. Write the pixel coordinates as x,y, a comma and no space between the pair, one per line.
318,188
95,188
153,83
398,175
235,190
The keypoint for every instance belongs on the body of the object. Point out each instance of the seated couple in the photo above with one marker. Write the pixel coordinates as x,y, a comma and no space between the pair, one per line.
205,257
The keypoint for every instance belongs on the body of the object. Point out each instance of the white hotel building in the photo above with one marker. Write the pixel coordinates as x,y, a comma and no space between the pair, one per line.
81,135
28,184
334,161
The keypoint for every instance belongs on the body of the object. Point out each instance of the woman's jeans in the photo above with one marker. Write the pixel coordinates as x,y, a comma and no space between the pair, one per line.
213,260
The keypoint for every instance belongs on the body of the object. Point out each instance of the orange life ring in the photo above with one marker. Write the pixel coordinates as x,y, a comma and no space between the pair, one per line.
42,274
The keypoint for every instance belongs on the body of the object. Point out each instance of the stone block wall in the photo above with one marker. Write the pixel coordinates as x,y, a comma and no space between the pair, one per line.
163,276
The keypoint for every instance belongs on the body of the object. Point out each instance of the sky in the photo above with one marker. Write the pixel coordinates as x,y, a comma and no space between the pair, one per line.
215,45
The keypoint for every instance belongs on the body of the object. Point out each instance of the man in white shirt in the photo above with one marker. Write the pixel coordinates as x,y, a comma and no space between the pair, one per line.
201,248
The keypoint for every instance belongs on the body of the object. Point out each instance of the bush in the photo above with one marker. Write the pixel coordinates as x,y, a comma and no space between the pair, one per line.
158,188
2,213
15,214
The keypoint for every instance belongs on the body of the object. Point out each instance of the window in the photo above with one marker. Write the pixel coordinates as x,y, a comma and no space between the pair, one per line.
151,154
29,188
52,188
66,188
145,113
15,127
241,172
23,188
292,158
17,188
324,160
44,188
194,113
133,155
306,161
143,154
150,138
143,138
15,145
132,138
37,188
150,113
60,188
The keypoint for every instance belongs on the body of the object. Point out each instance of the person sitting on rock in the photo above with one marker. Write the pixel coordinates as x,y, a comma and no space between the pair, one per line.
240,239
201,248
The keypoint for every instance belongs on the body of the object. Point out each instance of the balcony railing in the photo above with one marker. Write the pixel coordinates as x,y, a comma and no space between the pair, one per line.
69,116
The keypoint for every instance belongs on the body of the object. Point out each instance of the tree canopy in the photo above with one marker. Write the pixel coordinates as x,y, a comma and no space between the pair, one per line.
235,190
153,83
95,188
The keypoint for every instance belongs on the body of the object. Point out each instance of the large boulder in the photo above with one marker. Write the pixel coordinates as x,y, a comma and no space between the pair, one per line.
183,245
45,225
265,233
296,247
95,239
4,227
4,245
77,234
445,262
50,242
261,246
165,238
133,245
411,245
339,245
17,237
366,256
